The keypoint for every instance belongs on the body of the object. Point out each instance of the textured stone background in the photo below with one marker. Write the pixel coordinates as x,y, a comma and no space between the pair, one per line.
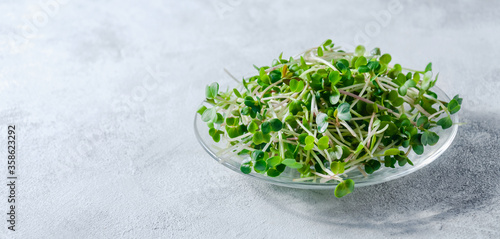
103,95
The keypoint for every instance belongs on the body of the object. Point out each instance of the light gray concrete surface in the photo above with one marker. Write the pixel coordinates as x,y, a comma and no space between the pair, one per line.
103,94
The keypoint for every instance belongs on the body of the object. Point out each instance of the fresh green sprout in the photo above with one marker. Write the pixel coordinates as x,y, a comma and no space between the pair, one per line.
328,112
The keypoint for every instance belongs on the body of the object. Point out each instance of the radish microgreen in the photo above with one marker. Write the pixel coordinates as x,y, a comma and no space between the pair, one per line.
326,113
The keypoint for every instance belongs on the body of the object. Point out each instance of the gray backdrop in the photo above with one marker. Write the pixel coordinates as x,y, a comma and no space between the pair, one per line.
103,95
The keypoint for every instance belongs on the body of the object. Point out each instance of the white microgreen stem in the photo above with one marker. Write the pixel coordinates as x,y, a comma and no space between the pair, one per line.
254,92
279,66
361,118
282,151
381,87
349,128
330,136
313,105
303,127
382,130
370,128
231,75
353,87
321,165
360,135
408,152
376,145
269,87
323,61
340,134
277,97
240,137
362,171
388,81
436,114
367,82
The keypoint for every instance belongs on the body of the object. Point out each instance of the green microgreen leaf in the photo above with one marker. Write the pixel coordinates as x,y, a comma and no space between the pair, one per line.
265,127
309,141
260,166
385,59
276,125
274,161
272,172
404,88
427,80
361,61
363,69
334,77
296,86
212,90
445,122
322,122
323,143
372,65
201,110
258,155
375,51
416,77
392,151
335,96
246,167
359,51
209,115
344,111
253,127
422,121
359,148
429,137
337,152
327,43
344,188
291,120
389,161
292,163
295,107
259,138
263,77
337,167
372,166
342,67
394,98
428,67
453,106
320,51
237,93
231,121
418,149
400,79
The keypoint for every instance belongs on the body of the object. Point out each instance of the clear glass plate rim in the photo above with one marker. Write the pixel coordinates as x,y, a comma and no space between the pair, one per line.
312,185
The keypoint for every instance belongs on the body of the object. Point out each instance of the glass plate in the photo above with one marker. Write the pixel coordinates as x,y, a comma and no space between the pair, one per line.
384,174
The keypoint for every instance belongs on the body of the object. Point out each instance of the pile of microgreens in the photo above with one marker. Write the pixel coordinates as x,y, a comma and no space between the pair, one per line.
327,112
